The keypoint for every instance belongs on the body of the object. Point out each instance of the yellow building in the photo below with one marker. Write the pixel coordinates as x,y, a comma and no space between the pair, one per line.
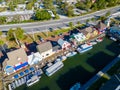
89,32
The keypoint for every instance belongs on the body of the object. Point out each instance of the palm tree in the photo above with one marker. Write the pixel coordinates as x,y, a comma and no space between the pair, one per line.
1,41
71,25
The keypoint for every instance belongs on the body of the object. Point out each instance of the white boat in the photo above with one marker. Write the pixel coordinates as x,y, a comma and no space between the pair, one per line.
58,59
99,40
24,79
93,42
49,64
16,82
112,38
70,54
63,58
83,48
13,85
10,87
34,79
54,68
20,83
39,72
27,77
77,86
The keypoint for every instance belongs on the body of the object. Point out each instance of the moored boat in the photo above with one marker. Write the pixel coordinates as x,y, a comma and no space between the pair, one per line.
83,48
70,54
32,80
112,38
99,39
77,86
93,42
54,68
63,58
9,87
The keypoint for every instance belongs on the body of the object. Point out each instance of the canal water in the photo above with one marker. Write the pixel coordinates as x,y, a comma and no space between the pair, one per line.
79,68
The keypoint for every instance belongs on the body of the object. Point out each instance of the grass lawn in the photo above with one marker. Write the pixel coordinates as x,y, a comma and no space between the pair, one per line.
79,68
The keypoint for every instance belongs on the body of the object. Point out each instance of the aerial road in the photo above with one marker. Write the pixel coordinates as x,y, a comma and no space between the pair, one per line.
56,24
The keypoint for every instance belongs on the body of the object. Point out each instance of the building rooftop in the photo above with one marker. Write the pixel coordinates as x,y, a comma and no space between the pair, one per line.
44,47
87,30
16,56
115,28
100,25
12,13
61,42
34,58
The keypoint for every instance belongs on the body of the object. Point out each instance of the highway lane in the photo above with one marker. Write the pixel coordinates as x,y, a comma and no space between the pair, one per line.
56,24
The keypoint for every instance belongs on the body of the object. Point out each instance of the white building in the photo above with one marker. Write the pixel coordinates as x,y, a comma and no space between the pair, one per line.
45,49
34,58
3,4
21,6
23,15
70,1
51,13
64,44
80,37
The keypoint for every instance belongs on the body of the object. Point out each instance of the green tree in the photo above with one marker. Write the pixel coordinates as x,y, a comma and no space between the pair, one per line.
71,25
58,2
17,33
70,11
63,7
88,4
29,5
87,20
3,19
102,18
13,5
78,23
57,16
92,19
0,33
48,4
94,7
83,5
108,14
42,15
1,42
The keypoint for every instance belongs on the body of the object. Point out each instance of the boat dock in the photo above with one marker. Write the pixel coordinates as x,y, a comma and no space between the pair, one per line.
10,79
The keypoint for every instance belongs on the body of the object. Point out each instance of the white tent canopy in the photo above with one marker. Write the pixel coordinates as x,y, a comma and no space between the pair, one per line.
34,58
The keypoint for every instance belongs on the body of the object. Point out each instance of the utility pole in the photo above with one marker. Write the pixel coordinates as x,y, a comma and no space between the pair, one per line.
46,31
33,35
16,38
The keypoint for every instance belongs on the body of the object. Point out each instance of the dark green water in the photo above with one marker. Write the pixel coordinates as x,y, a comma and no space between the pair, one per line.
79,68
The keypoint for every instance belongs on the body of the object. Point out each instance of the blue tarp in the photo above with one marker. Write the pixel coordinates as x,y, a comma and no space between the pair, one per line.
21,65
21,74
9,69
38,73
26,71
16,76
25,64
32,68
